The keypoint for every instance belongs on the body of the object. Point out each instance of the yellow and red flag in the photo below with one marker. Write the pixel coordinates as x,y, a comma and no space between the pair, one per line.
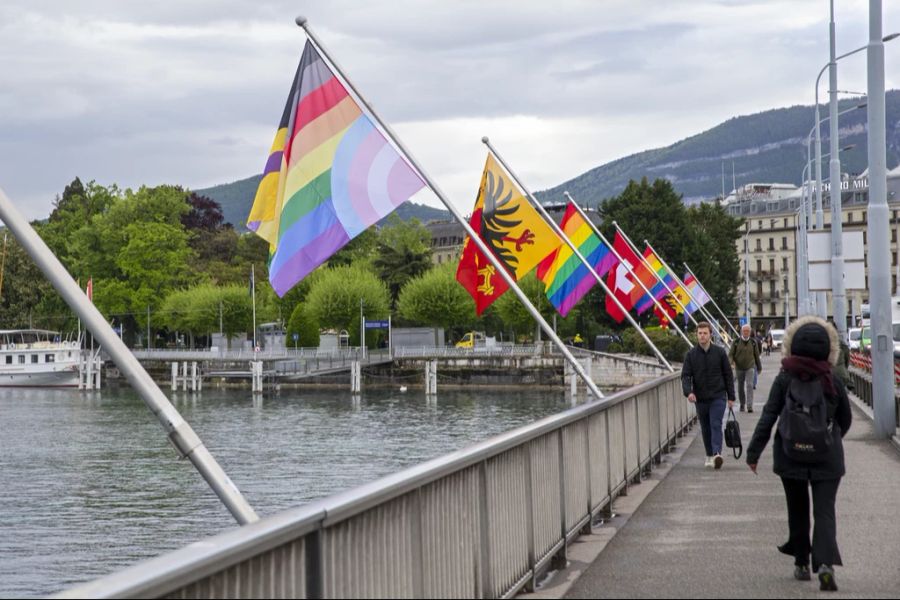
512,229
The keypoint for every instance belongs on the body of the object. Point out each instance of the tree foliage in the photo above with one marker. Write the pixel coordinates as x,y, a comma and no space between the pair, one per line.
514,314
304,324
436,299
203,309
403,252
335,294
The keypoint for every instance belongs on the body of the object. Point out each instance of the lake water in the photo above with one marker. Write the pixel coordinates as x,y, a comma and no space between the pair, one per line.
90,484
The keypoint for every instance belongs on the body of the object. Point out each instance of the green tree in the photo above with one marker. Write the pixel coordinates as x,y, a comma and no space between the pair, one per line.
436,299
304,324
715,261
202,309
334,298
359,250
403,252
652,212
514,314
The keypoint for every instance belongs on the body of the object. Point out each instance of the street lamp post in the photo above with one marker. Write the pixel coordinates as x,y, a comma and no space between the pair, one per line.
837,263
883,404
805,304
747,273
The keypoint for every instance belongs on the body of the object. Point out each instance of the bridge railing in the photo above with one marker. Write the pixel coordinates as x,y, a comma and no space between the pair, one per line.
484,521
243,354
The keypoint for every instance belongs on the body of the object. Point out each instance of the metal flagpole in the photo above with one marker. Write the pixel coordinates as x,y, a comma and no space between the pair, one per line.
185,440
253,293
621,260
575,251
475,238
658,278
711,299
685,288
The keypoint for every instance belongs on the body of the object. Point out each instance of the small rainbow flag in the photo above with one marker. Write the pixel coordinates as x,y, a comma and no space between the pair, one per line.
566,279
658,291
331,174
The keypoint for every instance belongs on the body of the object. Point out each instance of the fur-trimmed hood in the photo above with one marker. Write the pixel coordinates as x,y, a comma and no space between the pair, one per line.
834,346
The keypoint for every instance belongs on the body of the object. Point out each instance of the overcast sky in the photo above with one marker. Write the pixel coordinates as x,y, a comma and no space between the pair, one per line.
190,92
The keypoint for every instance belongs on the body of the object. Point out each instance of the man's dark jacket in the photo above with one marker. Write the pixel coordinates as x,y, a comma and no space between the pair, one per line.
707,374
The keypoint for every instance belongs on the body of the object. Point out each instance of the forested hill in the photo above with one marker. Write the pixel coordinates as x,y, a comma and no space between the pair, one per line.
767,147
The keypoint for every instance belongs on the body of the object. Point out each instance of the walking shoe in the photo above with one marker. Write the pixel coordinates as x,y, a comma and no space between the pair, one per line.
826,579
718,460
801,573
750,409
742,408
709,462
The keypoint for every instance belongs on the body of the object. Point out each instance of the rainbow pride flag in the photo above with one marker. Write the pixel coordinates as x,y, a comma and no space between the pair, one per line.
566,279
658,291
699,295
331,174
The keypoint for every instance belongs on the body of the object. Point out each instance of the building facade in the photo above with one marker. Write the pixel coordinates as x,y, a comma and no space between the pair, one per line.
768,249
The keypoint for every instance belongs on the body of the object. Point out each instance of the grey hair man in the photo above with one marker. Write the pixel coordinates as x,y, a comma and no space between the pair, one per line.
744,355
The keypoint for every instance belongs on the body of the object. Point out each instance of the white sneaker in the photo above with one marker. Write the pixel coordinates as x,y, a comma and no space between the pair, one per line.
718,460
709,462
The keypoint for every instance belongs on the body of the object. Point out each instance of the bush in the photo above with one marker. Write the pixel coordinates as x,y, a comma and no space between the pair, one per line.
305,325
672,345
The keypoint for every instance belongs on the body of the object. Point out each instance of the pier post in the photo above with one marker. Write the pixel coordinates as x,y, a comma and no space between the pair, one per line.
356,377
256,369
431,377
174,376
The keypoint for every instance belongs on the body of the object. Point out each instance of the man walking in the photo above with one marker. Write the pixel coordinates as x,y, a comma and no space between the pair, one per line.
707,381
744,356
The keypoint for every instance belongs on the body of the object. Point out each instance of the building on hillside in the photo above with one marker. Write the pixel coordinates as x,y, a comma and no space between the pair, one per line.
770,242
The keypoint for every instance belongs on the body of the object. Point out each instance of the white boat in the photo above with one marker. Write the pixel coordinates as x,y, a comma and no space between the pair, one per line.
37,358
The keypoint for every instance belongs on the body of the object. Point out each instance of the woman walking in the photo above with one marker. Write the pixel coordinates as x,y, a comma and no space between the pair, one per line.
807,455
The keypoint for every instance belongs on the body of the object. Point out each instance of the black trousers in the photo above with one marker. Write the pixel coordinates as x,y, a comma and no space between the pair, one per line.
824,540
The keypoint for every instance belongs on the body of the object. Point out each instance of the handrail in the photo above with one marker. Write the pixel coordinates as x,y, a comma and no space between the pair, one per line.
571,464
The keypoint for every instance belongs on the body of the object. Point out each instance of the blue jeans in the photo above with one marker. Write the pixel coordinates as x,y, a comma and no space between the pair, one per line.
710,415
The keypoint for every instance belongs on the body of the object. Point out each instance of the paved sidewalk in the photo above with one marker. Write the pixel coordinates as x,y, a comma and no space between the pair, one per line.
713,534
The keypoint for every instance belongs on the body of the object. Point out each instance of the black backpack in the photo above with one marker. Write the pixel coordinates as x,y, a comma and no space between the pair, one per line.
804,424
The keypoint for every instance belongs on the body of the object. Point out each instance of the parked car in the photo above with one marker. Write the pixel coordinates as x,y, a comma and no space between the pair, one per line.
865,338
853,336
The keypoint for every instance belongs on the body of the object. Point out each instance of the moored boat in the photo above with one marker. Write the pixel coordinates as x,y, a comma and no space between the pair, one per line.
37,358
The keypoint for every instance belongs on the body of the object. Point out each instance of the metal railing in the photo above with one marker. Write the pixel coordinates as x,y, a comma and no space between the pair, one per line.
452,352
485,521
243,354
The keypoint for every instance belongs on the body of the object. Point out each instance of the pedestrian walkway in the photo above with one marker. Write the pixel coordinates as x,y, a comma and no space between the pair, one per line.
712,534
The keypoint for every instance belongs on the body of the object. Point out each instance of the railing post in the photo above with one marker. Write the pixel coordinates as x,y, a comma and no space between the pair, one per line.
315,565
529,521
560,558
484,538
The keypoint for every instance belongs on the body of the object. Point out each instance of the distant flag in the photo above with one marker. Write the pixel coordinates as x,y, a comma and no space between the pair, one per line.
660,290
666,313
699,294
566,279
330,175
89,290
511,228
622,280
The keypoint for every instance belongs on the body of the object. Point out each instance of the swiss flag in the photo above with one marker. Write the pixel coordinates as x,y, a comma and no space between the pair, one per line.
622,280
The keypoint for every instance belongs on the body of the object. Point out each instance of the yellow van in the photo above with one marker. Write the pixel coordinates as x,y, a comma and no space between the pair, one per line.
471,339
